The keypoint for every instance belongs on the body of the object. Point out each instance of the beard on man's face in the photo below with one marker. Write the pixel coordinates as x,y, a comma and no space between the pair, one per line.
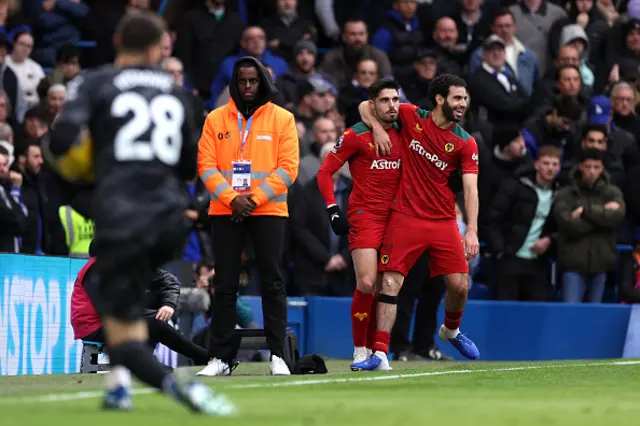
449,114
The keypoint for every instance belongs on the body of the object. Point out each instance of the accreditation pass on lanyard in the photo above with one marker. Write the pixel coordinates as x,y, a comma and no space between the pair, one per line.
241,178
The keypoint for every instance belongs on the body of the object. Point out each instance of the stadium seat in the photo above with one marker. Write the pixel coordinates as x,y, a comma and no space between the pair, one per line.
90,362
254,339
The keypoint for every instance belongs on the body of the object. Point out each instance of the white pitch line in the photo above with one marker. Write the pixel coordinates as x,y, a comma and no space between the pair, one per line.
143,391
413,375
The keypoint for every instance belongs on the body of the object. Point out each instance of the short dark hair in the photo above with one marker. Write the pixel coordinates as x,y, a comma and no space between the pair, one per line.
595,128
20,33
246,63
4,151
354,21
30,144
568,107
204,263
139,31
503,11
565,67
591,154
441,84
381,84
67,53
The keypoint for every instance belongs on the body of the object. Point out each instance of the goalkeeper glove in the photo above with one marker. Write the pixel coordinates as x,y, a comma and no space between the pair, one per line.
339,222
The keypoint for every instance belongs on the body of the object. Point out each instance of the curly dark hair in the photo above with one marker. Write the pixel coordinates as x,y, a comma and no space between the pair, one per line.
441,84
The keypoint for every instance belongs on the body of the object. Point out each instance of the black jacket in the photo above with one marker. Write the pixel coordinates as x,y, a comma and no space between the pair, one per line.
200,203
42,206
13,219
276,29
349,100
164,290
621,156
512,212
537,133
495,172
502,106
405,44
311,239
203,42
630,123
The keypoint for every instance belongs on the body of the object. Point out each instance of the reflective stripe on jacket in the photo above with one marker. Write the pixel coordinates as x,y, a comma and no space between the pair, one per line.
272,146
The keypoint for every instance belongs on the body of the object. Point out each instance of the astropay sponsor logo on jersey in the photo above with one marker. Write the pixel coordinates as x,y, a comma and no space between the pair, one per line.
385,165
415,145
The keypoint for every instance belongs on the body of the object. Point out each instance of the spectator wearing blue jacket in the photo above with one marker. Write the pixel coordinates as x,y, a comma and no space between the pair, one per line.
400,37
253,43
57,25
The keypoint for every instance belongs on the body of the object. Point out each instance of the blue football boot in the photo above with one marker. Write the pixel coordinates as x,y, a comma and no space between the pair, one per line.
462,343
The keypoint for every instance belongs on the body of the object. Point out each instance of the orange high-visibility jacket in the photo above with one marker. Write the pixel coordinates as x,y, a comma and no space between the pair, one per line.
272,146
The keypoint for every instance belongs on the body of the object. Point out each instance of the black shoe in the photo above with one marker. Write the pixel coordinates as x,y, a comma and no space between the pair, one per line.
409,356
434,354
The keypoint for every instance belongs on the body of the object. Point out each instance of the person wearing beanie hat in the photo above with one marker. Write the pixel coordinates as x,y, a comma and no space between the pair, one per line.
307,45
286,28
588,213
303,69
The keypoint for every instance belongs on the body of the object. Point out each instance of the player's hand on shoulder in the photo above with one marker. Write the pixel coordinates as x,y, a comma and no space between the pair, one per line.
338,220
382,141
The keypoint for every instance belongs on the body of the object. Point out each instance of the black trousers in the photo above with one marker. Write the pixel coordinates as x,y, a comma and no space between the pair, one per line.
161,332
429,292
525,280
267,237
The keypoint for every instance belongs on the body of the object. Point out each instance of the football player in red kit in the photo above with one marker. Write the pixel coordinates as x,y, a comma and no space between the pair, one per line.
375,183
424,217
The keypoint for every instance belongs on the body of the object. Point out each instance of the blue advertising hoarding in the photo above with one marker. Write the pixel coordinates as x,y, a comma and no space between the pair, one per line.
35,332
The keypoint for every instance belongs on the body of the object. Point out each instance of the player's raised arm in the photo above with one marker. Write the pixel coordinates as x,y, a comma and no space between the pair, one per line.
68,147
345,148
471,202
380,136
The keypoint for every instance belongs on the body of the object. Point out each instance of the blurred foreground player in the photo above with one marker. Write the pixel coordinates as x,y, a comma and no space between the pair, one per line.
127,128
161,302
375,182
424,214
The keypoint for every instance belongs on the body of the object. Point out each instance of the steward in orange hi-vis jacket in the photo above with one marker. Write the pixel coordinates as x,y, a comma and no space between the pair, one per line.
248,157
255,143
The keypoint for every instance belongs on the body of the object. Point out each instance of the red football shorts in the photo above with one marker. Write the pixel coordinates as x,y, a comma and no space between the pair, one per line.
407,237
367,229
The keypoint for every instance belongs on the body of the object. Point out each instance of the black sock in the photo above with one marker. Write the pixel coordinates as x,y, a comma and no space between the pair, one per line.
162,332
137,357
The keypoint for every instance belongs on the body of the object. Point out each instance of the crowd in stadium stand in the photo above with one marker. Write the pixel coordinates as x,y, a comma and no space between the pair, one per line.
553,93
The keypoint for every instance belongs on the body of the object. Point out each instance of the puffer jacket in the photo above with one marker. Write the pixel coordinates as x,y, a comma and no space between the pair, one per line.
163,291
587,244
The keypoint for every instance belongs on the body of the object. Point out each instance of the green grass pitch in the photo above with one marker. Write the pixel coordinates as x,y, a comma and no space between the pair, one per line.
580,393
